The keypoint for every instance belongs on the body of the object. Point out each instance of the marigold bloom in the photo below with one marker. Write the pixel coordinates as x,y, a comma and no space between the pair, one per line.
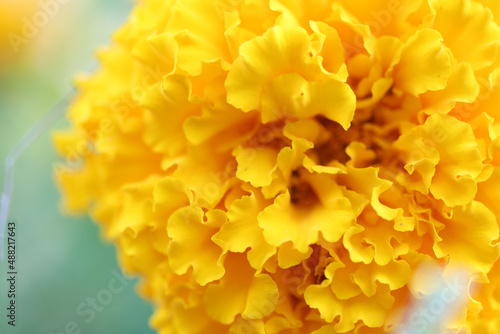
288,166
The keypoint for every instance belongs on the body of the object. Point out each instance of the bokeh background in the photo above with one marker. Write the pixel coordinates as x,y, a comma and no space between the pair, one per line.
62,261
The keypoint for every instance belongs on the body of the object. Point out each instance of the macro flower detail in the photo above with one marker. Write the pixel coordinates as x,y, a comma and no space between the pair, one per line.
294,166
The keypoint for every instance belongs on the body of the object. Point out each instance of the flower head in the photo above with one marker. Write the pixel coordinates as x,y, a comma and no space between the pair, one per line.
288,166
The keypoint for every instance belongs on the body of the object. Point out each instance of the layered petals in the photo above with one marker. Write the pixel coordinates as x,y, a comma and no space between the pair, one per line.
294,166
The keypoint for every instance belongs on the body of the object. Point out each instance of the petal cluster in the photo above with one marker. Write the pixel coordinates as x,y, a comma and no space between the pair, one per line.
276,166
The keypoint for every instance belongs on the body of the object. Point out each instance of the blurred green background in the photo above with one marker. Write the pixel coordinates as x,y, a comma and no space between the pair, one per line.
62,261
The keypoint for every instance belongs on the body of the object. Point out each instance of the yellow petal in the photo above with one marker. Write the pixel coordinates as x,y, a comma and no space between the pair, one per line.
330,46
191,244
242,325
371,311
421,160
182,316
443,156
461,87
395,274
256,165
277,51
239,292
308,129
460,159
372,239
366,182
171,194
137,209
168,107
288,256
284,222
187,22
487,192
342,283
293,95
289,159
206,173
469,237
242,232
161,50
384,17
466,25
424,64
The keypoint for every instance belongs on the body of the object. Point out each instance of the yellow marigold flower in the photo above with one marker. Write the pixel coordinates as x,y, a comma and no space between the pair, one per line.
298,166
